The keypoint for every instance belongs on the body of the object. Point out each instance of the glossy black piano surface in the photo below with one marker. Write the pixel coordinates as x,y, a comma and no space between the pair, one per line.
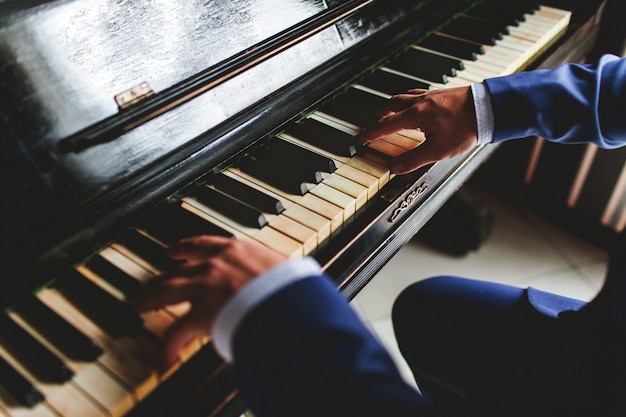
64,62
252,100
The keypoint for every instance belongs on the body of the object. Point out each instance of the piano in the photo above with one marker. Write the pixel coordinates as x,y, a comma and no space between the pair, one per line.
126,126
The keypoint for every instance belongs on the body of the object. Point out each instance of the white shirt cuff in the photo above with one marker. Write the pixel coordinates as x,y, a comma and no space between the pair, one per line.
254,293
484,113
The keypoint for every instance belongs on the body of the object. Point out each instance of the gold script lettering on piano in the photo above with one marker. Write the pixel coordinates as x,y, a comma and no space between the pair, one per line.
410,199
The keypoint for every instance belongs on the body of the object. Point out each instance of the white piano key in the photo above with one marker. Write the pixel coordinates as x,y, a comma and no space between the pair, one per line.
268,236
9,408
103,389
320,206
297,231
294,211
117,358
66,399
346,203
346,186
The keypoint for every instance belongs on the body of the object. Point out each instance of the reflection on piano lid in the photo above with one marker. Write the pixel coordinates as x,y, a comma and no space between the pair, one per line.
247,136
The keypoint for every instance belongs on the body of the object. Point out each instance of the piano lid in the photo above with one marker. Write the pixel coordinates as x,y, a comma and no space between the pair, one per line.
65,143
78,55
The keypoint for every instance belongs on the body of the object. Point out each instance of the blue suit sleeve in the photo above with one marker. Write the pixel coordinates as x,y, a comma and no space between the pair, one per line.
303,351
572,103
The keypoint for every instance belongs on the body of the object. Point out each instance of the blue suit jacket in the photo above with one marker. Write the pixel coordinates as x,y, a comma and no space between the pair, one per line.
570,104
304,352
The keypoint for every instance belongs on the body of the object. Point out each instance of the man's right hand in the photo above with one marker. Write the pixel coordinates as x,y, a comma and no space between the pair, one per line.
446,116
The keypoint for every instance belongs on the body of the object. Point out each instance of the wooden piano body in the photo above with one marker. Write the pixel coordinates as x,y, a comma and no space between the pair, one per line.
125,124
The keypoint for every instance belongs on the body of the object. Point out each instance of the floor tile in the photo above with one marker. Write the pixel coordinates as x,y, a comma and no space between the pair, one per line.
594,273
515,252
572,247
384,330
567,282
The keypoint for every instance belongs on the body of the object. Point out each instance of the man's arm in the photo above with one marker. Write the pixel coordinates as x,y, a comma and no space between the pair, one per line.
446,116
304,352
296,346
570,104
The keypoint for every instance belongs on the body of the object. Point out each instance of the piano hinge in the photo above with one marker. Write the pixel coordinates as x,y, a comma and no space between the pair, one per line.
133,95
410,199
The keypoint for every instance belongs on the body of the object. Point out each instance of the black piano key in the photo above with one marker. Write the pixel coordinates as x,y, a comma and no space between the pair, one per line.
454,47
273,176
288,165
19,387
390,83
230,207
301,156
379,154
249,195
423,65
164,231
34,355
497,27
116,316
119,279
472,30
323,136
59,332
355,106
519,7
446,64
507,14
189,223
510,18
147,249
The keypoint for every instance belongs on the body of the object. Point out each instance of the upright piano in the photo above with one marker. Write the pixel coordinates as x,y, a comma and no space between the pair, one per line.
126,126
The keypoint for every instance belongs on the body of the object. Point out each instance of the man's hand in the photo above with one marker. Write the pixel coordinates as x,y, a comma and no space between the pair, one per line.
215,269
447,118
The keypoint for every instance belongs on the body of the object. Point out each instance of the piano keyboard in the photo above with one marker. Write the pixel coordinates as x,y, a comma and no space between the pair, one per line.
76,348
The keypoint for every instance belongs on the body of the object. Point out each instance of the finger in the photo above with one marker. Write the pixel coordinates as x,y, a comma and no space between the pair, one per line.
184,271
385,127
189,270
418,91
162,293
415,158
396,104
183,332
198,247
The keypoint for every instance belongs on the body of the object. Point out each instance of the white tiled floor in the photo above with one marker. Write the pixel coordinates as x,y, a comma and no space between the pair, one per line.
522,250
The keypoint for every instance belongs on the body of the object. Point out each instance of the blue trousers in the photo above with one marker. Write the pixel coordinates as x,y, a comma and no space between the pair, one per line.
485,349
